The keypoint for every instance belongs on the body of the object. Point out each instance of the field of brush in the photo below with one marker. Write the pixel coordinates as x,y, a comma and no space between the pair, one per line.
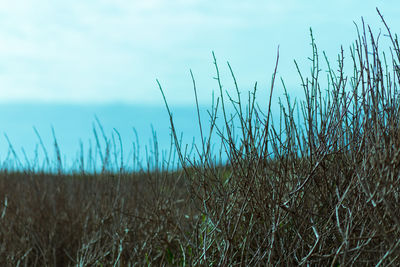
319,187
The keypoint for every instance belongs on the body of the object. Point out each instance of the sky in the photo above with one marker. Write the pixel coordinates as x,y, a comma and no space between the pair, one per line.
113,51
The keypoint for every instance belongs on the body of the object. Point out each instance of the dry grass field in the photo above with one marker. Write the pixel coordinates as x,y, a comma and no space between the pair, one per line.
320,187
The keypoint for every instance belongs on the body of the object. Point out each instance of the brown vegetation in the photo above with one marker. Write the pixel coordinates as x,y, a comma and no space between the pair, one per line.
323,190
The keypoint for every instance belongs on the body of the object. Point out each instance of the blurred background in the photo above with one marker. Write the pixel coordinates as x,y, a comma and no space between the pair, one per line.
63,63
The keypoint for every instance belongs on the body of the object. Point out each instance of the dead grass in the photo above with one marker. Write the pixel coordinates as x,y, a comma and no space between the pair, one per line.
322,190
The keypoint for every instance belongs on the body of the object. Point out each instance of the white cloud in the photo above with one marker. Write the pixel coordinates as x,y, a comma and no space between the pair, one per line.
113,50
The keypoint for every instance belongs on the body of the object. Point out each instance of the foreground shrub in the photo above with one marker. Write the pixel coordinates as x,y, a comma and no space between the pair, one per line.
323,190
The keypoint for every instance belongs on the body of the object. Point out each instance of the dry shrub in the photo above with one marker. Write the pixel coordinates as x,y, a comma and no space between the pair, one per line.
323,190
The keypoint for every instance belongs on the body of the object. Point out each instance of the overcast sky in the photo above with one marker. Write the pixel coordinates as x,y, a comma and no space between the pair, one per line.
112,51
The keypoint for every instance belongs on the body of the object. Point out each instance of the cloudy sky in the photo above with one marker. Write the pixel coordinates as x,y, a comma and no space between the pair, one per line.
113,50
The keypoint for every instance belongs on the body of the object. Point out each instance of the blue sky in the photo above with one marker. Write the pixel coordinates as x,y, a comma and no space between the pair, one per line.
112,51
